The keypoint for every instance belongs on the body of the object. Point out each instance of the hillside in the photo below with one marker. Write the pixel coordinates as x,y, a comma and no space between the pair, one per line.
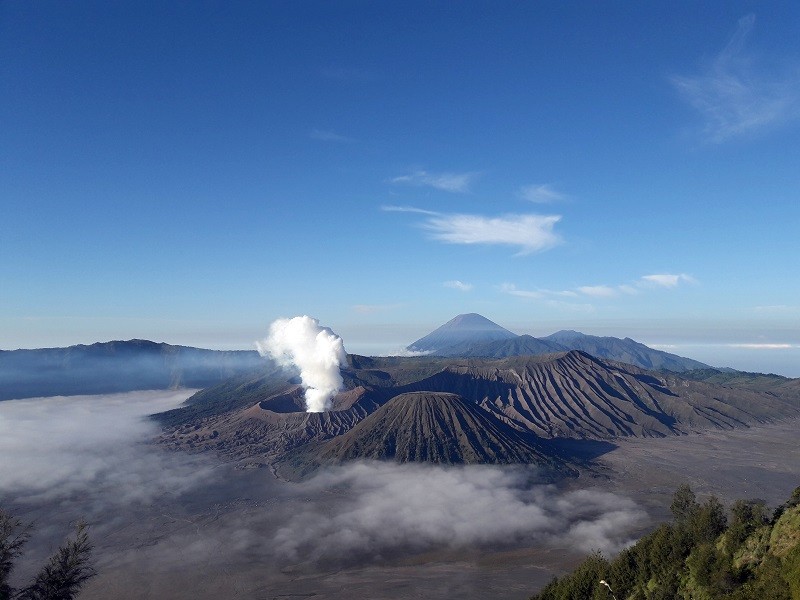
522,345
703,554
576,395
624,350
435,427
117,366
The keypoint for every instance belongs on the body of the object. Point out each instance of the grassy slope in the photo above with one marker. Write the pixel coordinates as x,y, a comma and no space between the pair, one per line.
683,561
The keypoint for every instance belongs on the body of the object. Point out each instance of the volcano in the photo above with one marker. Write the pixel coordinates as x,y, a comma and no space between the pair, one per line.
450,410
436,427
459,334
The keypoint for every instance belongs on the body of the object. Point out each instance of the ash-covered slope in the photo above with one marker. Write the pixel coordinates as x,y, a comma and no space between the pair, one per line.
576,395
438,428
568,394
461,332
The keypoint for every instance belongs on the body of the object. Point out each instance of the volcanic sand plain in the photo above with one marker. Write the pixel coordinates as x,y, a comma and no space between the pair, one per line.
217,538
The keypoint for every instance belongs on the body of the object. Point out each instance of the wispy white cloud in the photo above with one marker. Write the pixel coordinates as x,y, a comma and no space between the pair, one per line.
763,346
458,285
777,309
530,233
374,308
407,352
661,280
667,280
541,193
512,290
448,182
599,291
329,136
408,209
572,307
735,97
553,299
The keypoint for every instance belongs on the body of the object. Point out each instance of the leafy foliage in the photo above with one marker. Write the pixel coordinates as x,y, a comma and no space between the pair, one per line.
700,556
63,575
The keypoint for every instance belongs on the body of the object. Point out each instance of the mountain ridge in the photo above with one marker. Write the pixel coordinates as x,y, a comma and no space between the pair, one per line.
563,395
453,340
117,366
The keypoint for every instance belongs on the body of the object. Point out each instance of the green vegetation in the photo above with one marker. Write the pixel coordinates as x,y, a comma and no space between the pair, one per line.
703,555
63,575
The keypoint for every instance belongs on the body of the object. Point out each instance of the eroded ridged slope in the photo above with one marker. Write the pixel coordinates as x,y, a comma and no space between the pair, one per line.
437,428
576,395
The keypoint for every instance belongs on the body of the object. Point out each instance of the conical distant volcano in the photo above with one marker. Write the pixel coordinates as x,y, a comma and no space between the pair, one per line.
463,330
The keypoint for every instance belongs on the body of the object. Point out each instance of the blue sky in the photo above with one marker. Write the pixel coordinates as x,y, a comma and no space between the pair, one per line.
189,172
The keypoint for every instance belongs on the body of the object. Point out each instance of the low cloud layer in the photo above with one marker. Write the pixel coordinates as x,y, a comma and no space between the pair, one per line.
95,446
400,508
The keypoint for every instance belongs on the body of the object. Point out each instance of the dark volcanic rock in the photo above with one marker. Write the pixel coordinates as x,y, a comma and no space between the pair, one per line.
438,428
465,410
576,395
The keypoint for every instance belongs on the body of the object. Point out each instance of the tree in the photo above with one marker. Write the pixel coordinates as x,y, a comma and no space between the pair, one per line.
708,522
684,504
12,538
746,517
63,575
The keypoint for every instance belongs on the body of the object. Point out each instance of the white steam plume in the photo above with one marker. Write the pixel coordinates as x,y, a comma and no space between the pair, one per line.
315,350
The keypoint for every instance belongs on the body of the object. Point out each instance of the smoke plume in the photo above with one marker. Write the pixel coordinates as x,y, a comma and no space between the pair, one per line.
315,350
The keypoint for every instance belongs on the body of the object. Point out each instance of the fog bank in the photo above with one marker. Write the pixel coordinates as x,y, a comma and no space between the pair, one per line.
392,508
95,446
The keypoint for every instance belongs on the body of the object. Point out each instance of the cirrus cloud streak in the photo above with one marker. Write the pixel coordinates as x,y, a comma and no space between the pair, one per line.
447,182
735,98
602,291
528,232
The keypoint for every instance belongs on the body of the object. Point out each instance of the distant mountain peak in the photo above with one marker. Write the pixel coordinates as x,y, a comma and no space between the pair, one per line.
565,334
472,321
468,328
